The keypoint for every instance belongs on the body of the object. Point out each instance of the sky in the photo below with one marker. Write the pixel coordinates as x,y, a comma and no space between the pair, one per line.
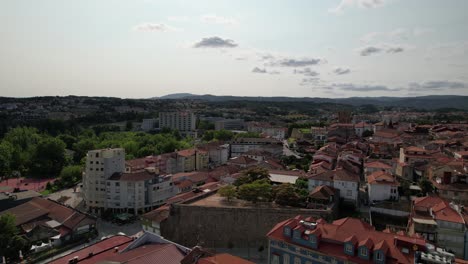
300,48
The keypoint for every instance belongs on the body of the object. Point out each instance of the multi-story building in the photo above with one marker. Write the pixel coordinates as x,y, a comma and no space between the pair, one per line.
382,186
183,121
149,124
100,166
408,158
241,145
348,184
450,180
107,184
440,223
230,124
348,240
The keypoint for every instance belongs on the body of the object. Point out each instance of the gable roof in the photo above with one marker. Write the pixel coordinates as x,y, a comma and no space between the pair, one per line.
383,178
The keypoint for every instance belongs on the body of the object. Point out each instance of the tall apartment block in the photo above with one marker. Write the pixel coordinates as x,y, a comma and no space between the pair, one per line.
183,121
106,185
101,164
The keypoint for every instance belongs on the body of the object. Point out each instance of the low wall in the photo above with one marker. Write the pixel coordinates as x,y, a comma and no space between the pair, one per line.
227,227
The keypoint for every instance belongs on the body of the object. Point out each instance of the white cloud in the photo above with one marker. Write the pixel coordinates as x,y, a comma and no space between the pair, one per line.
214,19
154,27
352,3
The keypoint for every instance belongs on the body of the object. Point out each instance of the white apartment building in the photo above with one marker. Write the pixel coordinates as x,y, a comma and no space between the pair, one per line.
106,185
101,164
149,124
184,121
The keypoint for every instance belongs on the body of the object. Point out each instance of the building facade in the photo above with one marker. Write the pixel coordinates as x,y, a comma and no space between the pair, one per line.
183,121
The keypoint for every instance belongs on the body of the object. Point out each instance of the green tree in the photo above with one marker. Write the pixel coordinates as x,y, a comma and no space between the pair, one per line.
70,175
252,174
425,185
255,191
23,140
6,158
285,194
223,135
48,158
10,242
228,192
129,126
208,135
69,140
248,135
302,183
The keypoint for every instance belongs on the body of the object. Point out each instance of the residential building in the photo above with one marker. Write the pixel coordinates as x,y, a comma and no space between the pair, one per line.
348,184
360,127
348,240
141,248
440,223
149,124
107,184
381,186
322,197
183,121
100,165
373,166
321,178
229,124
45,220
409,158
268,130
241,145
450,180
218,153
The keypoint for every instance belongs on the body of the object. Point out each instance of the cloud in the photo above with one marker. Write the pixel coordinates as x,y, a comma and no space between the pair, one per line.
363,88
395,50
215,42
369,51
306,81
291,62
258,70
436,85
367,4
306,72
214,19
178,18
341,71
154,27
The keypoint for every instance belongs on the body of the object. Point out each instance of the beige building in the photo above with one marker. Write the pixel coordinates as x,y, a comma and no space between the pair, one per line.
183,121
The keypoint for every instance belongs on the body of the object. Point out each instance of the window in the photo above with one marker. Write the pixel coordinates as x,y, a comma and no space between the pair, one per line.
379,256
297,235
349,193
349,248
297,260
285,259
275,259
363,251
117,184
313,239
287,231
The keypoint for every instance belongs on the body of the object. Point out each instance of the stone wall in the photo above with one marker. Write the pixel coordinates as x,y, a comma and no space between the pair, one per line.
227,227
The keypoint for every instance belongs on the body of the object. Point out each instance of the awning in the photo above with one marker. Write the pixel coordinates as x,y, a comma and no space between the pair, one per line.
424,221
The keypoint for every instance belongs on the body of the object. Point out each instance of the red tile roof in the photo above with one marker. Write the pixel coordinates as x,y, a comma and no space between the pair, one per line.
382,177
150,253
98,251
350,229
322,192
344,175
377,164
441,209
223,259
186,152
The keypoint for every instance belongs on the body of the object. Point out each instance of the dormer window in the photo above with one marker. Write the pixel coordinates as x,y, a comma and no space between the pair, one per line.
313,239
287,231
349,248
297,235
379,256
363,251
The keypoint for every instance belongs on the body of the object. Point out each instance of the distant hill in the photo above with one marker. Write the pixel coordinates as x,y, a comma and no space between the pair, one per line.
420,102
